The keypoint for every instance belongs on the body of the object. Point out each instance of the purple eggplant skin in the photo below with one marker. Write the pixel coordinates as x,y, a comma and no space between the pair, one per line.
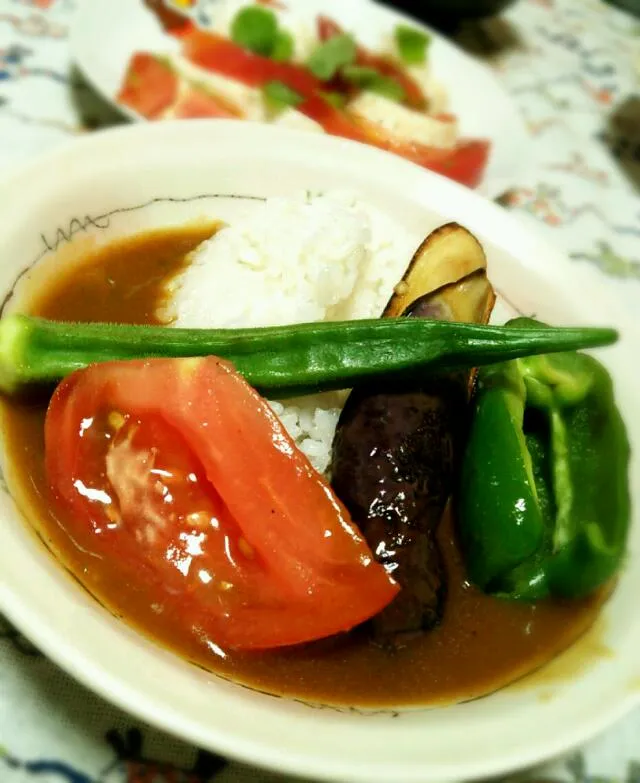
393,466
397,448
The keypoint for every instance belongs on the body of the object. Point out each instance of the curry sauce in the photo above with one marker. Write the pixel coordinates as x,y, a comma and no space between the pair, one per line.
481,645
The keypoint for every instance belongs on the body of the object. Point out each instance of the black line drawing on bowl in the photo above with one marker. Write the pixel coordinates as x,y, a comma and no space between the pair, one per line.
62,235
76,225
514,307
360,711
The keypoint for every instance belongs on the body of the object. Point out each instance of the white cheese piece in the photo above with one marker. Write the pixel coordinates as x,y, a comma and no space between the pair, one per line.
434,91
248,100
290,118
403,124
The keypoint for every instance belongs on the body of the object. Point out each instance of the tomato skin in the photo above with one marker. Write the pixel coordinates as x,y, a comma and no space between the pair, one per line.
198,104
154,90
281,561
150,86
465,163
328,28
215,53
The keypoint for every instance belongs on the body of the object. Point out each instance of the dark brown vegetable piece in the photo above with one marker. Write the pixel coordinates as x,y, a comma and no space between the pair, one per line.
395,448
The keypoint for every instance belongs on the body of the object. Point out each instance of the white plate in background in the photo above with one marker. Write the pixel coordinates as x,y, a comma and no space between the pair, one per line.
105,33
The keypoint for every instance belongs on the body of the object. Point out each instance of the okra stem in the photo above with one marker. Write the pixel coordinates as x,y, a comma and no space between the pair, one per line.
283,360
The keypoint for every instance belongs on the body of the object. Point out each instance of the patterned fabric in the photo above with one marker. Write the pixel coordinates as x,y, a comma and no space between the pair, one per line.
572,67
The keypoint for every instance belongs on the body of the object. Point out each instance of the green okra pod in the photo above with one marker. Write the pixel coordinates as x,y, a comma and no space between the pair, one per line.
284,360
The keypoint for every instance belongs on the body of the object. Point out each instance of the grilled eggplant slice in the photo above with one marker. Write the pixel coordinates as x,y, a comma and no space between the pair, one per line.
396,446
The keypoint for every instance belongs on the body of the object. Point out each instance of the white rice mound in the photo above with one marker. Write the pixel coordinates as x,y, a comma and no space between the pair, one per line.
294,260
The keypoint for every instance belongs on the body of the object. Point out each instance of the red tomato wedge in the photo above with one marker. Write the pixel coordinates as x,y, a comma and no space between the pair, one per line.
464,163
180,473
328,28
194,103
172,21
150,86
155,91
216,53
415,98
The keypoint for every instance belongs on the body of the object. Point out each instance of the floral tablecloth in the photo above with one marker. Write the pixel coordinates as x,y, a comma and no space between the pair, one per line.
572,67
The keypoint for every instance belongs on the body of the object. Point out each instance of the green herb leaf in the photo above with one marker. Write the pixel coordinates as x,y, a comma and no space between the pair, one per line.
412,44
331,56
282,50
256,29
279,96
336,99
373,81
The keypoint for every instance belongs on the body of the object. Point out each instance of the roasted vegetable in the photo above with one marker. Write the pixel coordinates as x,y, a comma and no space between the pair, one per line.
544,500
284,360
396,447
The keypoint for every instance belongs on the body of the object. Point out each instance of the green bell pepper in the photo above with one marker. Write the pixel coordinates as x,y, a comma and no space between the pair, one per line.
544,497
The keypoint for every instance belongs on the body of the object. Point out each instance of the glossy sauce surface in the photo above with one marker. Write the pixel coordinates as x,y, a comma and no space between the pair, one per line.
481,645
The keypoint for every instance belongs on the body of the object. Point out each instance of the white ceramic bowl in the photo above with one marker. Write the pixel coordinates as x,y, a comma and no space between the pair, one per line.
123,181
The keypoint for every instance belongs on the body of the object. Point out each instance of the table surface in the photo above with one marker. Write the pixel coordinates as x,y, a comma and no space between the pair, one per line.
572,68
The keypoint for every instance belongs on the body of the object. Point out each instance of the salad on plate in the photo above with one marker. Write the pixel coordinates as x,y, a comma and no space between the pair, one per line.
265,62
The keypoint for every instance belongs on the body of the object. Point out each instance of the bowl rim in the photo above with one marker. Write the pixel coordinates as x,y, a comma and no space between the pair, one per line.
475,212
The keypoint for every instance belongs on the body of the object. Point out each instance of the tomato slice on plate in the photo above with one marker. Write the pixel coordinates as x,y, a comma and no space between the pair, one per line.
464,163
180,473
216,53
150,86
194,103
154,90
220,55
